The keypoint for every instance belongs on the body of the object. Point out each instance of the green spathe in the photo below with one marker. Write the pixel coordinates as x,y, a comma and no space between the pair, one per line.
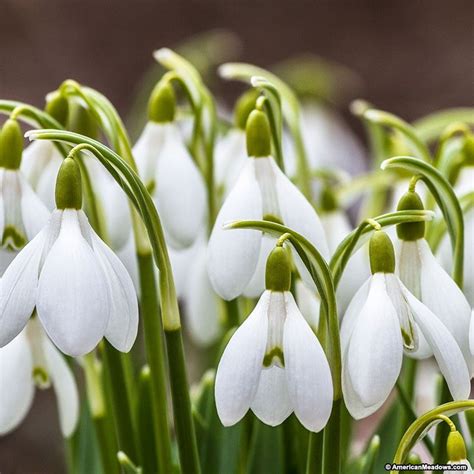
382,255
11,145
68,186
258,135
278,270
411,201
162,103
456,447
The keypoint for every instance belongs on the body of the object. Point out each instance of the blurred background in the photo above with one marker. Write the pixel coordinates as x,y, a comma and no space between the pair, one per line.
410,57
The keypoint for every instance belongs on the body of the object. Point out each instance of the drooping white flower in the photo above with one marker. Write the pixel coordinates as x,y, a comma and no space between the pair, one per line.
236,259
80,289
386,317
308,302
428,281
456,451
167,168
274,364
28,361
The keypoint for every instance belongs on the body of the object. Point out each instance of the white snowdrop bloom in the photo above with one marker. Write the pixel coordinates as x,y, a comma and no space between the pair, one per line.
337,227
40,165
446,256
386,317
167,168
28,361
465,181
22,214
274,364
329,142
309,303
236,258
471,333
424,277
79,287
456,451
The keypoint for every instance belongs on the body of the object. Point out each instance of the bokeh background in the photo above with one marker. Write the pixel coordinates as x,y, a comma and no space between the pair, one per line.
408,56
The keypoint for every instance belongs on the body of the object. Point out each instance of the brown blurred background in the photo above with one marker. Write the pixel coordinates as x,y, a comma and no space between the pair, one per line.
413,57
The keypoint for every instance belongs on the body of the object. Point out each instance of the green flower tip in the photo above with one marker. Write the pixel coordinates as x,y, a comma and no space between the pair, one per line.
328,200
11,145
244,106
468,150
81,121
410,231
456,447
58,107
381,253
258,134
278,270
162,103
69,186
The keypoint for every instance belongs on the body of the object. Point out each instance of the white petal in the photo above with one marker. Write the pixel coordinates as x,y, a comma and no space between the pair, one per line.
34,213
374,372
34,159
73,298
202,305
239,369
46,185
233,254
445,299
309,304
256,284
16,383
471,333
6,257
65,387
18,289
122,327
180,192
307,370
298,214
445,348
272,403
409,265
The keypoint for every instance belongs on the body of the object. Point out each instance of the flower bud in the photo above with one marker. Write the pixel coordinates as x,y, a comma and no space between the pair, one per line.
11,145
410,231
162,103
381,253
278,270
456,447
58,107
68,186
81,121
258,134
244,106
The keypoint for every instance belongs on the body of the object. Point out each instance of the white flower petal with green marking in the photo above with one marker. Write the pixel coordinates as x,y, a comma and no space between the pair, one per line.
233,254
16,384
239,369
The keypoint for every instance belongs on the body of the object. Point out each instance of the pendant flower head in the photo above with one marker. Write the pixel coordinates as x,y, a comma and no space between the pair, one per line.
28,361
79,288
456,450
385,317
274,364
236,259
168,170
424,277
22,214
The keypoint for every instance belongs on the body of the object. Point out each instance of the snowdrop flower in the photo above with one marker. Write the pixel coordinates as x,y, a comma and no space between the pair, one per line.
230,154
274,364
28,361
456,450
80,289
386,317
424,277
168,170
22,214
236,259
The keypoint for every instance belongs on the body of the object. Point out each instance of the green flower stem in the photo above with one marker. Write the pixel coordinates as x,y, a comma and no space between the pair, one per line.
431,126
442,431
181,403
420,427
446,200
386,119
138,194
121,403
314,459
332,440
155,352
291,111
